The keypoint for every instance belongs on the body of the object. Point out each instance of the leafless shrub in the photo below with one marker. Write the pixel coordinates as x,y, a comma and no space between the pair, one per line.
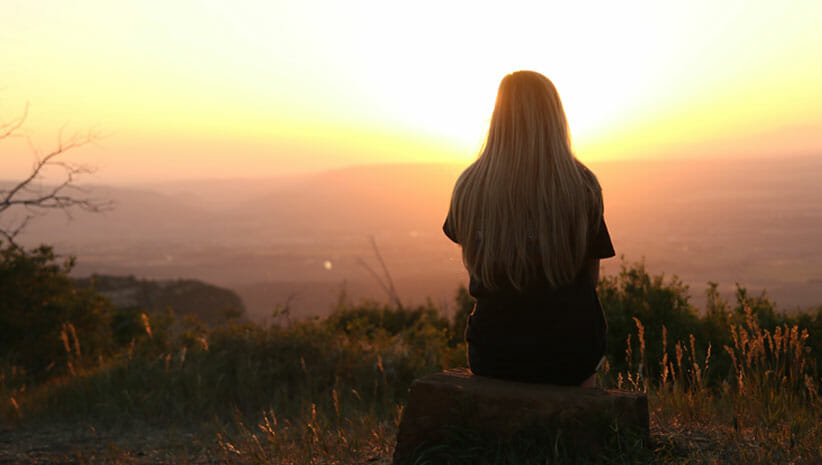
23,200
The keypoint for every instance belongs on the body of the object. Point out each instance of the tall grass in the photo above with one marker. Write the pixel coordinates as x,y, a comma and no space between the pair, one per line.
766,409
245,368
332,390
314,389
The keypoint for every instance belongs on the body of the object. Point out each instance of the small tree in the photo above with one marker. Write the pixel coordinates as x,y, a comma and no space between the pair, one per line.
48,326
23,200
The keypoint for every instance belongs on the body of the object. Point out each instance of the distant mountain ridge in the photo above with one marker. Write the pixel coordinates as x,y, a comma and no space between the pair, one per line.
209,303
752,221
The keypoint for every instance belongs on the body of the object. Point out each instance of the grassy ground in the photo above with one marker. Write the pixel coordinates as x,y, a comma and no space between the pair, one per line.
331,391
674,439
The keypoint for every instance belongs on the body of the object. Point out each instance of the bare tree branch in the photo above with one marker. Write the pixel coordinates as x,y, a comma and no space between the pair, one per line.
385,281
9,235
35,198
8,129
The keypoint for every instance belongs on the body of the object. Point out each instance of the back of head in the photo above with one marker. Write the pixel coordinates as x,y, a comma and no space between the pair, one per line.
526,205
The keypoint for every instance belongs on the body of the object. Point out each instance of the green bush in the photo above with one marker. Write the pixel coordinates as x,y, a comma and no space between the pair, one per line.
634,295
46,325
648,314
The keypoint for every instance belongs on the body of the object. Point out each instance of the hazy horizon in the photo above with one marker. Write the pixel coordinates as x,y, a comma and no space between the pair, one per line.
99,178
749,221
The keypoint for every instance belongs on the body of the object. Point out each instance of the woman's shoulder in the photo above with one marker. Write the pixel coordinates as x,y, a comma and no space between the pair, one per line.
590,178
465,174
586,172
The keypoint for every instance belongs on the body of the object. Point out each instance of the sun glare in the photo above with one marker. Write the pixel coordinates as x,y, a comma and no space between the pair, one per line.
302,85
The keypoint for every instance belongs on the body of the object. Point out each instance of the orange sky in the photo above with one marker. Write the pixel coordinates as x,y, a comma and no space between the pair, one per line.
189,89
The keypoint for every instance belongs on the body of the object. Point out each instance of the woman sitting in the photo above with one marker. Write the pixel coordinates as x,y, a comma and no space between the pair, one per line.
529,218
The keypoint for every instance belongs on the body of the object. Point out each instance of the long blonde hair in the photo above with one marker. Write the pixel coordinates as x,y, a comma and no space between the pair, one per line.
526,205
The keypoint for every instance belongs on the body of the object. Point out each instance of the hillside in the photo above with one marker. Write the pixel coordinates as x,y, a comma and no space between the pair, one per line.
210,304
301,238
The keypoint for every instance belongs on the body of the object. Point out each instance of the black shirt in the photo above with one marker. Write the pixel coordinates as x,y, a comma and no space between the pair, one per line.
542,334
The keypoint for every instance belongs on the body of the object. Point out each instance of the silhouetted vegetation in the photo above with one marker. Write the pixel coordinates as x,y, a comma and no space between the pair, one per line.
664,309
729,382
47,327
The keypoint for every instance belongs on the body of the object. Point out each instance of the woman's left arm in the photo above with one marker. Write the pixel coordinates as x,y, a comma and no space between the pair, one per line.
593,269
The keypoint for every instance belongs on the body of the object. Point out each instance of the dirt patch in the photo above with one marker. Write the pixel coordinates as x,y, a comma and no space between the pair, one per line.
87,445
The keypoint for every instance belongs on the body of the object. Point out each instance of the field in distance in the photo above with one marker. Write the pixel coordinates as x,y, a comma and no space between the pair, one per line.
302,239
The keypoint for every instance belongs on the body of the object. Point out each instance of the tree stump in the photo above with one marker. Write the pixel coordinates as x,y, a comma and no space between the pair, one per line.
456,398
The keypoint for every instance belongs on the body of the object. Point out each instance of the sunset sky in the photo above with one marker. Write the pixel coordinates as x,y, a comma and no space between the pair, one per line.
187,89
